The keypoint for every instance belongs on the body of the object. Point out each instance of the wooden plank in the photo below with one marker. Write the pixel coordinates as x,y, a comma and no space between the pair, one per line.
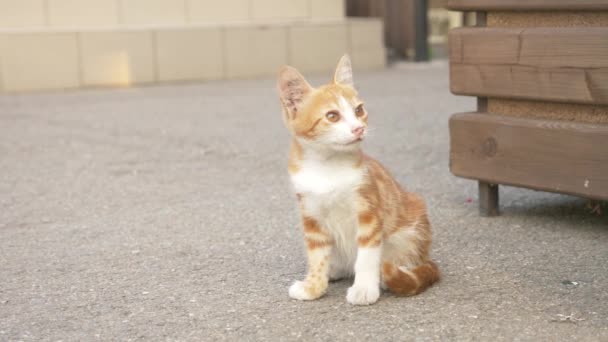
573,47
527,5
554,64
553,84
556,156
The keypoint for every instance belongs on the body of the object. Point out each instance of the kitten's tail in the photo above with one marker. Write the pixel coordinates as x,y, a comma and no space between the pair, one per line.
405,282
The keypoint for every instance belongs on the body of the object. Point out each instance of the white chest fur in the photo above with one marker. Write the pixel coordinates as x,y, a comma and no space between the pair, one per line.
329,195
325,177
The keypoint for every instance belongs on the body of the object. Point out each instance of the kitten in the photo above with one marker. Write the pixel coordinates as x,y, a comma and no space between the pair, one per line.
357,220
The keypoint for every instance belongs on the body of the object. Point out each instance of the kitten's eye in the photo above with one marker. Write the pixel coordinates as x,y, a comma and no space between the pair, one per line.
359,110
332,116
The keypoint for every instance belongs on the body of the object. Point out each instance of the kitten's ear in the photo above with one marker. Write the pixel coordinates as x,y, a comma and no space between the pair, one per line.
344,72
293,88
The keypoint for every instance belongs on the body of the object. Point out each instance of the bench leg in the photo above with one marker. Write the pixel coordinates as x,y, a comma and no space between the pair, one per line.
488,199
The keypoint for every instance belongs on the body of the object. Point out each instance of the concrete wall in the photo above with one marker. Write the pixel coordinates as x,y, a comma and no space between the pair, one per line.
58,44
96,13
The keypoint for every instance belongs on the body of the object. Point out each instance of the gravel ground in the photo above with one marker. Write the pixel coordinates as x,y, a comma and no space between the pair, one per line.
165,213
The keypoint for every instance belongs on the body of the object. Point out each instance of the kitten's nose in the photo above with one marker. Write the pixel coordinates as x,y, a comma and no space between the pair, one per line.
358,131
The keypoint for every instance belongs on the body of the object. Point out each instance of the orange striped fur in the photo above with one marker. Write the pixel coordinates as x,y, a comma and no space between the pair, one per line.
357,220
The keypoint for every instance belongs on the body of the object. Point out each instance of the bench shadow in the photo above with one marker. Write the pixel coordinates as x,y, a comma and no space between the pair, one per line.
557,206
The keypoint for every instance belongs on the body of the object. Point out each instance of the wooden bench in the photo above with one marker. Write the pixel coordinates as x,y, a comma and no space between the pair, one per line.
539,69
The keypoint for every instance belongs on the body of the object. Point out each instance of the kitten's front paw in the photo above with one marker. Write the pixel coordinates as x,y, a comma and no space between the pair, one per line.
363,295
300,291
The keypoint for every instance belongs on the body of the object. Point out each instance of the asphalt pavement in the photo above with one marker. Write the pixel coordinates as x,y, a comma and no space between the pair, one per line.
165,213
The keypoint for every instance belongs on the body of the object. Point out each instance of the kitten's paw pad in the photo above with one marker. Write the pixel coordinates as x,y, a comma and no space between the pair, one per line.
363,295
299,291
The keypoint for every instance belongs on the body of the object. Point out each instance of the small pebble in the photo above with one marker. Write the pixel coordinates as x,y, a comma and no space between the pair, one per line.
569,283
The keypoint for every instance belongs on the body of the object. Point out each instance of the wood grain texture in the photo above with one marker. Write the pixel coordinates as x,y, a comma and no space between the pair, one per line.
523,5
554,64
556,156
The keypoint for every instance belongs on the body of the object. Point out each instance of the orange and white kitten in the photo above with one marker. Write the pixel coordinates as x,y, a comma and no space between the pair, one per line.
356,218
